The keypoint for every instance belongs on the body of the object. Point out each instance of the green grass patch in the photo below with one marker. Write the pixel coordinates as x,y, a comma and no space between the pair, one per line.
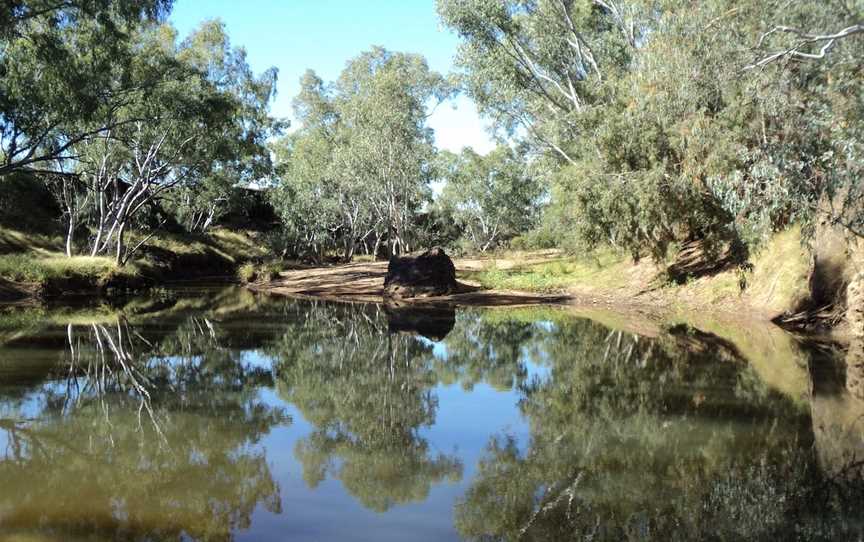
25,267
777,280
780,271
250,272
13,241
37,264
602,269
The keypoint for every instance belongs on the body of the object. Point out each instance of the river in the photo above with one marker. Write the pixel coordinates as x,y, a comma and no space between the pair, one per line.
217,414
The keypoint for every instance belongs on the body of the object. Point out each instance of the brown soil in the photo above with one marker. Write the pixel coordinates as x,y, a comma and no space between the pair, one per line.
365,282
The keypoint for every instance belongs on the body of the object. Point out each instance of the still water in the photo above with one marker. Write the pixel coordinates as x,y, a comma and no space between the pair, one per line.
215,414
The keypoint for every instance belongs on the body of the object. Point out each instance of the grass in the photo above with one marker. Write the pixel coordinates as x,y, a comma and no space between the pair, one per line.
250,272
246,272
39,261
24,267
602,270
776,282
231,246
780,271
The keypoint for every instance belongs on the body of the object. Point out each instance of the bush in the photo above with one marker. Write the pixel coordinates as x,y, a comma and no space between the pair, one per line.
246,272
250,272
540,238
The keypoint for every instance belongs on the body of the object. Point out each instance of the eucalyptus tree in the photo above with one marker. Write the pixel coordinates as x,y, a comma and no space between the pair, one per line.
238,150
361,160
492,198
317,201
666,120
810,54
537,67
203,121
61,63
384,98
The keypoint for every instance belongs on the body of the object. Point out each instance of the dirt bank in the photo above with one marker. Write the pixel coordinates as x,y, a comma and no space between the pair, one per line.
33,268
775,285
365,282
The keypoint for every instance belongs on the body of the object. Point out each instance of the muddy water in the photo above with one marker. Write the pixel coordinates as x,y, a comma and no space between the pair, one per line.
214,414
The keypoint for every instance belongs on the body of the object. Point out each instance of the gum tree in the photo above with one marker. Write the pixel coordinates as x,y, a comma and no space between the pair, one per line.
204,120
362,158
491,198
60,64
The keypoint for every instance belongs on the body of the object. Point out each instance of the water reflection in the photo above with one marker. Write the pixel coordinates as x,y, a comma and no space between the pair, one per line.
156,420
136,435
627,438
368,392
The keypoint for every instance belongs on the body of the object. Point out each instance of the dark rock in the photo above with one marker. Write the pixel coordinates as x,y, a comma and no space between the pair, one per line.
431,273
431,322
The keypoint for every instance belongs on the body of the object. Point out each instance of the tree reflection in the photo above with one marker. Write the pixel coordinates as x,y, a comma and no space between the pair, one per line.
368,393
153,431
141,438
486,347
662,439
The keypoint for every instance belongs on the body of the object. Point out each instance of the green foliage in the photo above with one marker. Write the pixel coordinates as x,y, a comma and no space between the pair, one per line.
61,63
250,272
357,170
126,122
491,198
662,130
238,154
247,272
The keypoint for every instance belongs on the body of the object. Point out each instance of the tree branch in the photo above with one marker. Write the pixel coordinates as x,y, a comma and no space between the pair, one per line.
827,42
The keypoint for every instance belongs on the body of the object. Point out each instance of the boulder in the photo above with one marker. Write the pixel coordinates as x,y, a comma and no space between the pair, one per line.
431,273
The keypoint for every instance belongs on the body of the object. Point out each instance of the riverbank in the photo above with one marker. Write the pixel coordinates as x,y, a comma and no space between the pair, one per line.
364,282
775,281
775,284
34,268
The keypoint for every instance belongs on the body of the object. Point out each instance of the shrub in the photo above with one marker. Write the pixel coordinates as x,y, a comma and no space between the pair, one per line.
247,272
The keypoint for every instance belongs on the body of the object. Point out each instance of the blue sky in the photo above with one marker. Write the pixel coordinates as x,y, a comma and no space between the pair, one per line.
295,35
